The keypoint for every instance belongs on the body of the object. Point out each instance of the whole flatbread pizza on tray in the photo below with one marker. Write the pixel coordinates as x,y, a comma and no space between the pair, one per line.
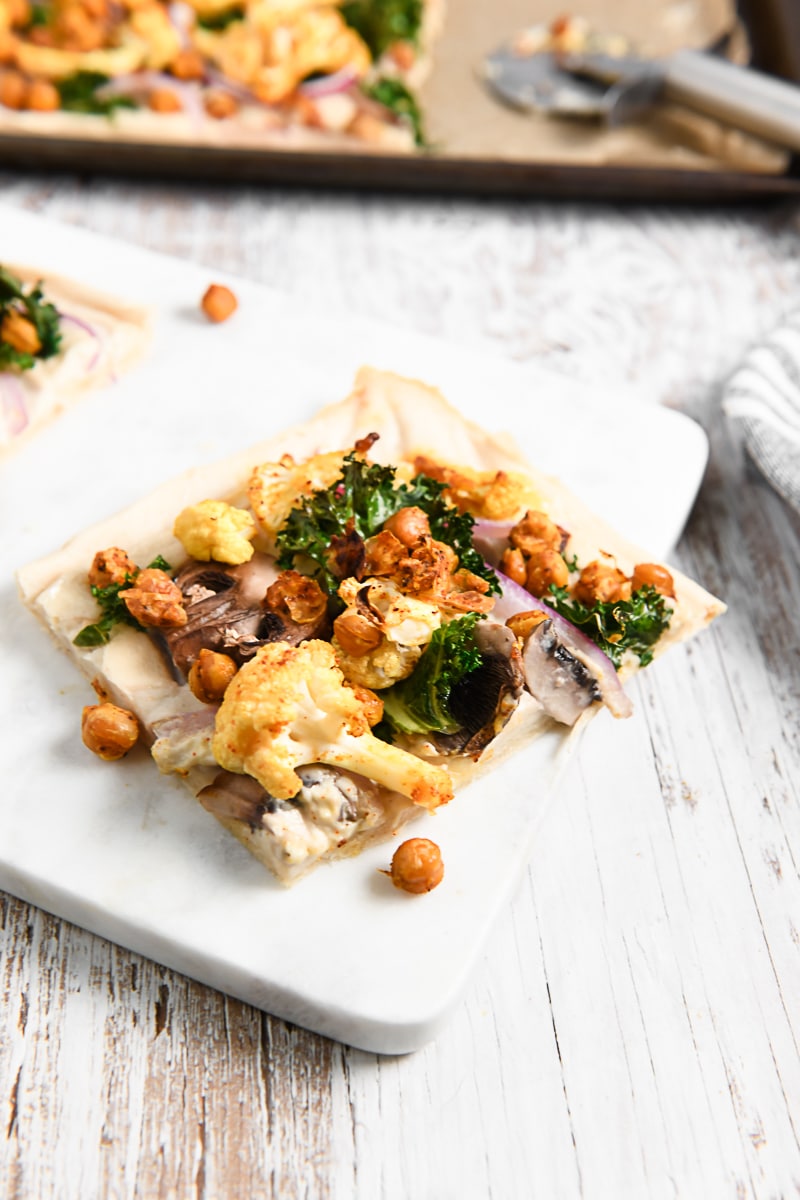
334,631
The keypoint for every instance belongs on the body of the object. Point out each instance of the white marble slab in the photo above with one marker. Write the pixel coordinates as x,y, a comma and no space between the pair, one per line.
128,853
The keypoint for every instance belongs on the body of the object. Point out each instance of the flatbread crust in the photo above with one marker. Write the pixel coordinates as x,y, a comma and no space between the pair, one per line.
411,419
102,337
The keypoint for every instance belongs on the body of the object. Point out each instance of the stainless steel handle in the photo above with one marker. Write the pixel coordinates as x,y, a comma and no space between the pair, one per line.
741,97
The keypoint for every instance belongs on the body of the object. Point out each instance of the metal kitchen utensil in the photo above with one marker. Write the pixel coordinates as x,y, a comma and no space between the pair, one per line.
620,89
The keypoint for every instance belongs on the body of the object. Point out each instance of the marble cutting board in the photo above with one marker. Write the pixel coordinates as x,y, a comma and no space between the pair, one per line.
128,853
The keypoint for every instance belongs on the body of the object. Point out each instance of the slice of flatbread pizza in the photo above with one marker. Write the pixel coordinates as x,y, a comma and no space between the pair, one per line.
57,340
333,631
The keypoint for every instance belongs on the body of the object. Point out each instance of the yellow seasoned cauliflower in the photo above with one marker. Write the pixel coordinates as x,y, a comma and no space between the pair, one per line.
492,495
214,529
276,487
290,706
277,45
404,625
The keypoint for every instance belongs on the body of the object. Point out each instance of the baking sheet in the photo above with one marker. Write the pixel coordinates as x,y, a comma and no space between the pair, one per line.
481,146
129,854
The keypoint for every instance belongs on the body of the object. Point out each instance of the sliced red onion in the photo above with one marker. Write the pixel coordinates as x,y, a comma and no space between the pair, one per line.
491,538
70,319
140,84
239,91
15,410
516,599
329,85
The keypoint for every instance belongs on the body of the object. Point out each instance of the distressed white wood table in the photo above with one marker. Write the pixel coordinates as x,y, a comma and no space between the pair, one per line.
633,1030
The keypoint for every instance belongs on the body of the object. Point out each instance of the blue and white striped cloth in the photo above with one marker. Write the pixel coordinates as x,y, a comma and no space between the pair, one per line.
764,395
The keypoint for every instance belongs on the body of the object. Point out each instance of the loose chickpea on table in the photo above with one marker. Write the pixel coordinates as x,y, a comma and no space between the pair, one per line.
109,731
219,303
417,866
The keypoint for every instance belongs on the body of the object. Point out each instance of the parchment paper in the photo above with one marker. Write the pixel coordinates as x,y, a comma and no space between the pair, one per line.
465,120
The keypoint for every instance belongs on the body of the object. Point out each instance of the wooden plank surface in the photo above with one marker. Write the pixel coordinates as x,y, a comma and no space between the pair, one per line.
633,1029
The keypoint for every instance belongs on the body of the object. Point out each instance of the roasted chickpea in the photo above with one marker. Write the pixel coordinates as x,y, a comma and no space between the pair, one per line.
19,12
535,527
8,46
221,105
219,303
403,54
96,8
356,633
653,575
164,100
522,624
78,31
546,568
417,866
154,600
108,731
19,332
42,96
601,582
111,566
409,525
384,553
209,676
296,596
513,565
373,705
187,65
41,35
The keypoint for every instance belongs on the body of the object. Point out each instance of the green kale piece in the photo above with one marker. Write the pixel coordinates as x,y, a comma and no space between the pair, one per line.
360,501
78,93
617,625
40,15
395,96
28,302
421,703
221,20
113,609
383,22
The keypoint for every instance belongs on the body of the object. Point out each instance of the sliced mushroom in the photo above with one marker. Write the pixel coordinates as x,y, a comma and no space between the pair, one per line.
225,614
328,796
561,683
484,701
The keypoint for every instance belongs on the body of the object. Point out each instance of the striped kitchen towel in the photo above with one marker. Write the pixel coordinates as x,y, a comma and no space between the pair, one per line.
764,395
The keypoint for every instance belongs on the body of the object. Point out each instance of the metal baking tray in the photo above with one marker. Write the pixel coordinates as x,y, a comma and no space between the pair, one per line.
773,31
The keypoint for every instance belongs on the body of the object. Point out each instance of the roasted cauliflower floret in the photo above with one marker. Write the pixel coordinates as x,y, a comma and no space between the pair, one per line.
290,706
492,495
276,47
276,487
401,628
214,529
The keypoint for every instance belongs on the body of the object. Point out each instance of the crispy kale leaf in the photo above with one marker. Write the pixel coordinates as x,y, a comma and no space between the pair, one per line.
113,609
361,500
421,703
618,625
383,22
78,93
395,96
221,20
44,317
